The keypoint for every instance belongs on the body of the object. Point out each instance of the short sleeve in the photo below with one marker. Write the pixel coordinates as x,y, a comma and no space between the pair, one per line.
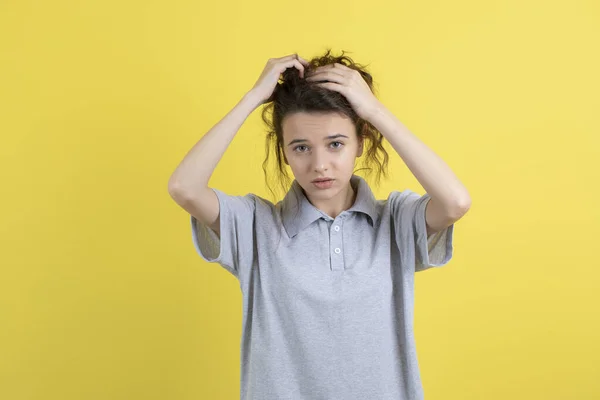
234,251
411,228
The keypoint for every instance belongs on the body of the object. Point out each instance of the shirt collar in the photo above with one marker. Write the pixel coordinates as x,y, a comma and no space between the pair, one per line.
298,212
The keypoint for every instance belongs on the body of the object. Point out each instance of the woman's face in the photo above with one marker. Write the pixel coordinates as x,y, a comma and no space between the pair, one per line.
321,145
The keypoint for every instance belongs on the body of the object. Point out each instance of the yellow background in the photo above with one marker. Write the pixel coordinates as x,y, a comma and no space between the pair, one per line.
102,295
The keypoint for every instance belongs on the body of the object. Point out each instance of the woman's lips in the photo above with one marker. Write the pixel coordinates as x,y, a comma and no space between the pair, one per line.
323,184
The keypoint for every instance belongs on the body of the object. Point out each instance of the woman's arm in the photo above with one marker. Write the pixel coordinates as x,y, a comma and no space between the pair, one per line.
194,171
188,185
450,199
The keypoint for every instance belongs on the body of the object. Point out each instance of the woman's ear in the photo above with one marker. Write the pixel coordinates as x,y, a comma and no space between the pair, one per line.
360,146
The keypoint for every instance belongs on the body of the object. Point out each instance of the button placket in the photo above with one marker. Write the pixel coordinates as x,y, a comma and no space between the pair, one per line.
335,242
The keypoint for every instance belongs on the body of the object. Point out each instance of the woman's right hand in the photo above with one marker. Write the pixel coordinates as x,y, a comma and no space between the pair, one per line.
266,83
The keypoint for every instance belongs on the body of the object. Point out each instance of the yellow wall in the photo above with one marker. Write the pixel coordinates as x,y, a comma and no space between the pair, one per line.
102,295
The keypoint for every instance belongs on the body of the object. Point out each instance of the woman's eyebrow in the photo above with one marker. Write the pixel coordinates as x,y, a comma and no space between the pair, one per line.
325,138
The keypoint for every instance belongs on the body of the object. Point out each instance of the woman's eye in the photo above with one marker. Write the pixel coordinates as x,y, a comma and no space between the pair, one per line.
298,149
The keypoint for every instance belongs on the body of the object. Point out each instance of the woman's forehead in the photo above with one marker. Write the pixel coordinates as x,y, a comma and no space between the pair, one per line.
316,126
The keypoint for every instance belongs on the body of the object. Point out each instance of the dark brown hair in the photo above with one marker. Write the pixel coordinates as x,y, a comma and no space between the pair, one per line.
293,94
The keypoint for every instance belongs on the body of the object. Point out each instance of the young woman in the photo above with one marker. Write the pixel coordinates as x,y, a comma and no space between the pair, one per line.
327,273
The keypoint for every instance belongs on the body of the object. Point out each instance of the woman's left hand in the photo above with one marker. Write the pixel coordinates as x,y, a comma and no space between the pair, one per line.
349,83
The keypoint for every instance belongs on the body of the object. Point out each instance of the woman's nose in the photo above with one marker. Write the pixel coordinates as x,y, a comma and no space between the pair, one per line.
320,161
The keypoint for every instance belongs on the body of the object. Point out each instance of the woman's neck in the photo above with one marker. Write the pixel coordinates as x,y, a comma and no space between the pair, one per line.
348,198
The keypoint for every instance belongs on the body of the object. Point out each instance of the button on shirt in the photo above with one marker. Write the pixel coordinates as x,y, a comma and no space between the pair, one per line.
327,302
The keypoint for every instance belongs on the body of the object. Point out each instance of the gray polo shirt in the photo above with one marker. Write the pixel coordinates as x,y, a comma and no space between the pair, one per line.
327,302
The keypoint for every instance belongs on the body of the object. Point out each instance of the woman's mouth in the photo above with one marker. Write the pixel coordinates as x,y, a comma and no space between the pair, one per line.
323,184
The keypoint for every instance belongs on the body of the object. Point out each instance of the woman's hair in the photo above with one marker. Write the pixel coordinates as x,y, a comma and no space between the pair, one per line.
293,94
